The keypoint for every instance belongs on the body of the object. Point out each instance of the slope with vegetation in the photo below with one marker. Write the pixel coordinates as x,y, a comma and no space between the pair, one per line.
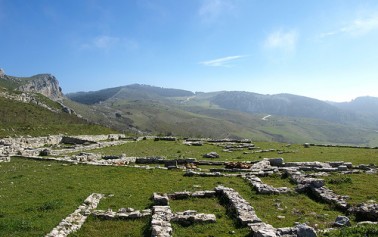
25,109
293,118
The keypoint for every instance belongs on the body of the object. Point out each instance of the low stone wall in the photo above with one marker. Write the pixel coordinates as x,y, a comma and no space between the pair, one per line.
315,186
75,220
165,139
243,211
262,188
161,221
330,197
191,173
122,214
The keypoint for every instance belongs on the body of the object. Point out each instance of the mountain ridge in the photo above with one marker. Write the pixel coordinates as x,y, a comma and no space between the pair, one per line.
142,110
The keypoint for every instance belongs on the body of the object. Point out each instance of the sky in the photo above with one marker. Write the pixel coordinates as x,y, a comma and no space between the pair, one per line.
324,49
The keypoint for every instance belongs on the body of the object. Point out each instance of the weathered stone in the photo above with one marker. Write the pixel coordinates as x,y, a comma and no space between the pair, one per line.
341,221
203,194
287,232
160,199
304,230
262,188
190,217
262,230
212,154
276,161
165,139
45,152
328,196
365,212
160,222
150,160
179,195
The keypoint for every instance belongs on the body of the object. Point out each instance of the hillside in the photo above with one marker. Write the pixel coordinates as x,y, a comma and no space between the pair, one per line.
25,109
293,119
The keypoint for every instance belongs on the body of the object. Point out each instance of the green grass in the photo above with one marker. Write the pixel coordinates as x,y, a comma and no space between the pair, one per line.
276,181
360,188
17,118
357,231
175,150
36,195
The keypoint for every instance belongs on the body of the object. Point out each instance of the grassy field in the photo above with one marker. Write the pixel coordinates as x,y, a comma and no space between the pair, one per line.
20,119
36,195
295,152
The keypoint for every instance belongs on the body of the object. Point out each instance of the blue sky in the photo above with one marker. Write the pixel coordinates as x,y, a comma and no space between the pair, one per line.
325,49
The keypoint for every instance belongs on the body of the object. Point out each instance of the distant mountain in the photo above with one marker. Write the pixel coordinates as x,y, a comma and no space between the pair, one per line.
282,104
135,91
154,110
364,105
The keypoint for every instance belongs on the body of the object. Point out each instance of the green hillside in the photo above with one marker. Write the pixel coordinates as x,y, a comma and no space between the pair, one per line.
18,118
293,119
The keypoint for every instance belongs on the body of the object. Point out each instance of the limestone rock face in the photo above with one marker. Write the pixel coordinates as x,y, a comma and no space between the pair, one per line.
2,73
46,84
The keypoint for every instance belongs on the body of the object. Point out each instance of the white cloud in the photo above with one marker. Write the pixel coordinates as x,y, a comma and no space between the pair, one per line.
356,27
211,10
106,43
221,62
282,40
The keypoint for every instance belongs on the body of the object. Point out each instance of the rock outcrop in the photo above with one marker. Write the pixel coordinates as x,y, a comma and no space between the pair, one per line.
45,84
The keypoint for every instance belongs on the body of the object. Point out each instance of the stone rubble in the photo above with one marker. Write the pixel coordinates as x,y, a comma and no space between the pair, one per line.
365,211
75,220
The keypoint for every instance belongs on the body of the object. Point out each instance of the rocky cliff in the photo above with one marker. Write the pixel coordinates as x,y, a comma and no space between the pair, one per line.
45,84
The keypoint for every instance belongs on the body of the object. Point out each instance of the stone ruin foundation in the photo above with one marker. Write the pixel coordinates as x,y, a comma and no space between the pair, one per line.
306,175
